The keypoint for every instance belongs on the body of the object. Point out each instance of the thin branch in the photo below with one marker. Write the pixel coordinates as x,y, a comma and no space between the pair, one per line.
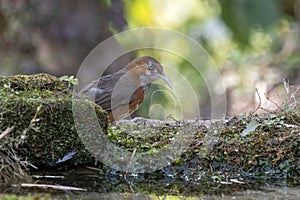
131,158
7,131
58,187
259,104
293,96
273,102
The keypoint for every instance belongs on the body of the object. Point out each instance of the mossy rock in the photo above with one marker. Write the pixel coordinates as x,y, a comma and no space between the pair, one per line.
33,82
39,107
271,150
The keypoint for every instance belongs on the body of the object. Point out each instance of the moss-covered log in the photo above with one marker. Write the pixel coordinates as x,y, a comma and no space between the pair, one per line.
225,149
39,107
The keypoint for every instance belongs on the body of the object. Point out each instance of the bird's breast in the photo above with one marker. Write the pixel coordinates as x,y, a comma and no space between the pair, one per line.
137,99
124,110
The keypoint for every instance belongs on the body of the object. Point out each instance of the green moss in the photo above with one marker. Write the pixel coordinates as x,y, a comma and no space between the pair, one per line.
30,197
270,151
39,107
142,137
33,82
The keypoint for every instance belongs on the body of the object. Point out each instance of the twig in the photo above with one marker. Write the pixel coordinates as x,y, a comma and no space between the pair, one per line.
47,176
293,96
273,102
133,154
7,131
57,187
92,168
24,163
131,158
259,104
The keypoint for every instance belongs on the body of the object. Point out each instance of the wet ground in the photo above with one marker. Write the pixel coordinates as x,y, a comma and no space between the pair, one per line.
93,185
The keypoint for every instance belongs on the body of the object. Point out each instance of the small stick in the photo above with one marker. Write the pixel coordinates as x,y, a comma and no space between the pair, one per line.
132,155
273,102
259,104
7,131
58,187
131,158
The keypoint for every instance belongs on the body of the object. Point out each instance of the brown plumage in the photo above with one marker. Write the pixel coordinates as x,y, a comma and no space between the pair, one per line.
122,93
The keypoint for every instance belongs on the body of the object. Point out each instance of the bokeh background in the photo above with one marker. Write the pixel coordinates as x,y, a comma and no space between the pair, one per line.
254,43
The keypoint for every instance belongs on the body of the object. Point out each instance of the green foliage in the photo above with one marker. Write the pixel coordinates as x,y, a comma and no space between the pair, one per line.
70,79
6,86
274,120
241,16
250,127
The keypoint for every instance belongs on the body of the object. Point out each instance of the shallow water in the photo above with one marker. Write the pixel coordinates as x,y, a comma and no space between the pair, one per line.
118,186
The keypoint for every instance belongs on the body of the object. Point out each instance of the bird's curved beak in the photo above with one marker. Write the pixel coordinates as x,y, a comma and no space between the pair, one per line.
165,78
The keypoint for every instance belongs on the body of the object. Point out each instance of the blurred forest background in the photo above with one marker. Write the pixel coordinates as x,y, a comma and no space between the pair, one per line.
255,43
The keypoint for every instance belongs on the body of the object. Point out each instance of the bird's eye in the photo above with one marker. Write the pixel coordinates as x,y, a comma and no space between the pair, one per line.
150,66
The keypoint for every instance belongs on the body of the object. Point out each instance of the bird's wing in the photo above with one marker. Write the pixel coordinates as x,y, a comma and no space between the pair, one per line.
99,91
104,92
111,91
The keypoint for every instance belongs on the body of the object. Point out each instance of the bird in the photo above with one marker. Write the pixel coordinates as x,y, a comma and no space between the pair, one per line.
121,93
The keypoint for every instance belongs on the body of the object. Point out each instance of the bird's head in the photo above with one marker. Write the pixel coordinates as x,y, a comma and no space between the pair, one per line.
146,70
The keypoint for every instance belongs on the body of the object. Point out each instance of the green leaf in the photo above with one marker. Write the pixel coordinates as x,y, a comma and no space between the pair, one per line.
6,86
288,109
250,127
64,78
75,81
218,178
